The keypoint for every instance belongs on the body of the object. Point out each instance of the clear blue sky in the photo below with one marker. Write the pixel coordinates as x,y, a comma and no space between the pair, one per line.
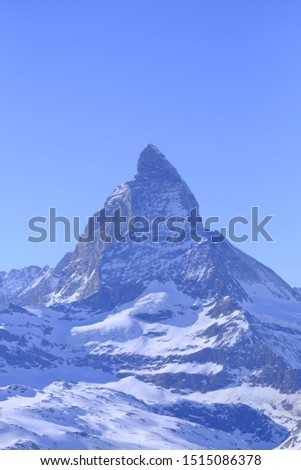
215,84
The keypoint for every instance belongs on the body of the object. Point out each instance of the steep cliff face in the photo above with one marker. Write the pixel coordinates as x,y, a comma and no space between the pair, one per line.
112,273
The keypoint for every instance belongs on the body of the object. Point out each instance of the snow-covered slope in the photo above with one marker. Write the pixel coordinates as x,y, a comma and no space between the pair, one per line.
160,356
179,345
90,416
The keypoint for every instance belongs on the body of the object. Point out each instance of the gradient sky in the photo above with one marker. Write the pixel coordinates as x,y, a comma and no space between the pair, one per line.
86,85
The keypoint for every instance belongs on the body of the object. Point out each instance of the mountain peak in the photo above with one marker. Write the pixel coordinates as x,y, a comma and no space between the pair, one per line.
153,163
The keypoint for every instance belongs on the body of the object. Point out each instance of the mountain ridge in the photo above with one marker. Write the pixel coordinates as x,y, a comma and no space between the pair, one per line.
156,190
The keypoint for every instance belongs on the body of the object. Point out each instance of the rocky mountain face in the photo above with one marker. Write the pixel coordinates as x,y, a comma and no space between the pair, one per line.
116,272
187,340
17,282
298,292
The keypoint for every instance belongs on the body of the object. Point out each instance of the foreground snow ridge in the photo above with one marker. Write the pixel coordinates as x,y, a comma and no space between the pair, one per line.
150,346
